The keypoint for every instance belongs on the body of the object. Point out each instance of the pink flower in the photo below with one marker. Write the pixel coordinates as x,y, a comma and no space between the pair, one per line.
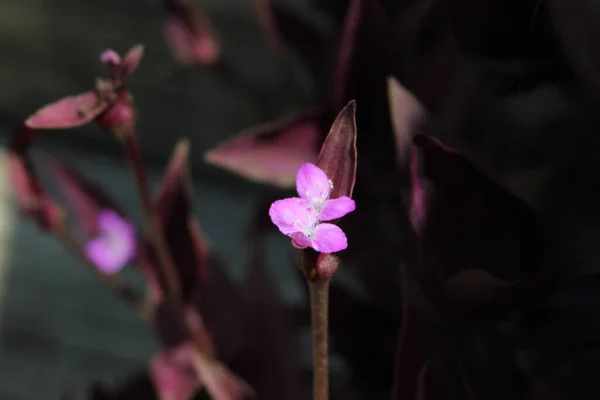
301,217
116,244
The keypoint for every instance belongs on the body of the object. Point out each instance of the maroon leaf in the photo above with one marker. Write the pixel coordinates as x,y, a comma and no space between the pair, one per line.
180,372
407,114
345,54
472,223
272,153
413,347
185,240
361,51
173,375
220,383
338,157
221,303
269,25
87,198
69,112
579,33
270,359
29,193
132,60
189,34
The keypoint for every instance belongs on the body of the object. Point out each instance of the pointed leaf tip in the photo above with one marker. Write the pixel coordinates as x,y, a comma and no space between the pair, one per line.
272,153
406,113
338,157
69,112
132,59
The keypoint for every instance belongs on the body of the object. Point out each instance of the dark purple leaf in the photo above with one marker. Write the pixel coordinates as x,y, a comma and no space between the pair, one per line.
87,199
185,240
472,223
338,156
189,34
270,359
407,114
272,153
69,112
579,34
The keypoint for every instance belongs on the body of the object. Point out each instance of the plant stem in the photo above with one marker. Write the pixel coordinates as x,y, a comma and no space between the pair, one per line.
116,285
319,303
154,231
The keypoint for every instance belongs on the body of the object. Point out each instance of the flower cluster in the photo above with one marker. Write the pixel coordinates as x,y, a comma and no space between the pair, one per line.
301,218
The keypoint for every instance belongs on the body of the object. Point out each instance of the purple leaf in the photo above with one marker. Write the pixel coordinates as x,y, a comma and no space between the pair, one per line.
69,112
270,358
272,153
185,240
338,156
412,354
132,60
87,198
180,372
189,34
29,193
361,51
579,33
173,375
407,114
473,224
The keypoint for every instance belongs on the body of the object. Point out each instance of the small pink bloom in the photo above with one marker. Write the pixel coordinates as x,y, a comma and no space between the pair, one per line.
116,244
110,57
301,217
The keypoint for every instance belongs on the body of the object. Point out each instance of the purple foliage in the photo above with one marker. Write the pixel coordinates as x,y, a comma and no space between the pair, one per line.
457,269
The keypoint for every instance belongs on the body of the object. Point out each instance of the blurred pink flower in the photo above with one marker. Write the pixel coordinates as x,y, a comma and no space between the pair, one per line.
116,244
301,217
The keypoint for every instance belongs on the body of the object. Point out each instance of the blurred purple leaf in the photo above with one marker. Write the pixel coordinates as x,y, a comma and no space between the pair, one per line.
412,353
69,112
407,114
473,223
578,32
109,103
272,153
31,197
87,198
172,373
184,237
269,340
189,34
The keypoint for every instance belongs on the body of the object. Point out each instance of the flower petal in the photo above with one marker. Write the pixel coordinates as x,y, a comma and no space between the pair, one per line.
106,259
329,238
111,222
292,215
337,208
312,183
300,240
